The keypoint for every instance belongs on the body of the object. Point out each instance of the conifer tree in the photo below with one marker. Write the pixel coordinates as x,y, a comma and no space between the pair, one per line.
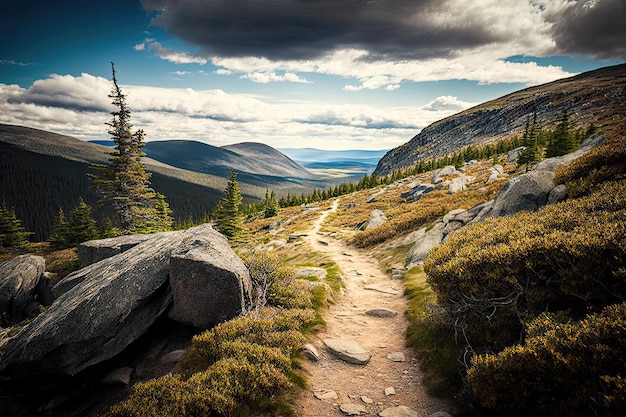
228,218
125,184
81,226
12,234
58,237
270,204
562,141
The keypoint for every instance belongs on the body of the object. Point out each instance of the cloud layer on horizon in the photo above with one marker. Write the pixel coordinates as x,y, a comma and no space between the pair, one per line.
79,106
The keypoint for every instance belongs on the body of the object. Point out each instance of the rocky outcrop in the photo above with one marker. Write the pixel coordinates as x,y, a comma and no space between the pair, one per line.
210,283
594,96
422,247
22,287
93,251
108,305
377,218
416,192
526,192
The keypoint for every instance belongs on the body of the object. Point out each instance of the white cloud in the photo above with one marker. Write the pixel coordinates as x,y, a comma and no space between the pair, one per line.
79,106
170,55
181,73
223,71
271,76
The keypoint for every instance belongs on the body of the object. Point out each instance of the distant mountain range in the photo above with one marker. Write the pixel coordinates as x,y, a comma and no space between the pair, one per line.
592,97
361,161
41,172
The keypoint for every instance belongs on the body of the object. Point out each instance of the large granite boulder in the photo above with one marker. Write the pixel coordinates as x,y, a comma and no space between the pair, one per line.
422,247
210,283
108,306
21,281
93,251
526,192
416,192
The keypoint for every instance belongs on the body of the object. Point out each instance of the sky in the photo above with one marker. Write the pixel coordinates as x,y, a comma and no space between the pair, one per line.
326,74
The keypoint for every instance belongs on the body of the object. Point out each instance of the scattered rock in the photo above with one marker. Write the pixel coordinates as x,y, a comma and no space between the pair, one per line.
319,273
396,357
481,211
173,357
397,274
526,192
210,283
120,376
20,282
367,400
310,352
497,169
440,174
458,184
399,411
416,192
275,244
348,351
452,215
325,394
419,251
381,312
352,409
558,194
377,218
295,236
514,154
390,391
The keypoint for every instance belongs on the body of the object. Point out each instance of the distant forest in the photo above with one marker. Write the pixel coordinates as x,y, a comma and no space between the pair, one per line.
37,185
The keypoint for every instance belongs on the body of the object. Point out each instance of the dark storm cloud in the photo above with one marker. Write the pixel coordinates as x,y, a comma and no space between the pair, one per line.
596,28
300,29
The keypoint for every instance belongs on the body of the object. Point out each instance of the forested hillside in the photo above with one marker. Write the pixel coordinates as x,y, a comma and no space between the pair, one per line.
37,186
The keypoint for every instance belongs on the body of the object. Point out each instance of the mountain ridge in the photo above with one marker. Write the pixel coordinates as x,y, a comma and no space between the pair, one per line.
591,97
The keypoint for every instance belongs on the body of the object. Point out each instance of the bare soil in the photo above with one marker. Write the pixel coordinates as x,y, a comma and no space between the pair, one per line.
366,287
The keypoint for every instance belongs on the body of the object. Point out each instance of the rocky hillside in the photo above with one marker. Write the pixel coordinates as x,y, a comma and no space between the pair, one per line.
592,97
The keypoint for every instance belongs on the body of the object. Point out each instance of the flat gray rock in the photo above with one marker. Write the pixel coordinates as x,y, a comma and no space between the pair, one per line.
325,394
396,357
381,312
173,357
348,350
399,411
352,409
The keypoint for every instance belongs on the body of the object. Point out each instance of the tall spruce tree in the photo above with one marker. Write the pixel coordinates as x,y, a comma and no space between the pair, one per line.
228,218
12,234
562,140
270,204
125,184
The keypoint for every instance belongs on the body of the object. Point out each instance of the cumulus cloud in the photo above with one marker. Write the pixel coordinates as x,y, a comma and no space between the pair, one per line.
271,76
393,29
79,106
84,93
170,55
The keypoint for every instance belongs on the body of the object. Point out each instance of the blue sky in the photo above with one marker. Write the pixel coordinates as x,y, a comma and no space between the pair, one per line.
347,74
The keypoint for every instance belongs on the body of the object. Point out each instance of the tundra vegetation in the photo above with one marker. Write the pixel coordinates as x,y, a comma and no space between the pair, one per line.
535,301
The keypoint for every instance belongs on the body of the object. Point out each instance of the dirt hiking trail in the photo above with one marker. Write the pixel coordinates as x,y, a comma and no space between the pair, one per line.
385,381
